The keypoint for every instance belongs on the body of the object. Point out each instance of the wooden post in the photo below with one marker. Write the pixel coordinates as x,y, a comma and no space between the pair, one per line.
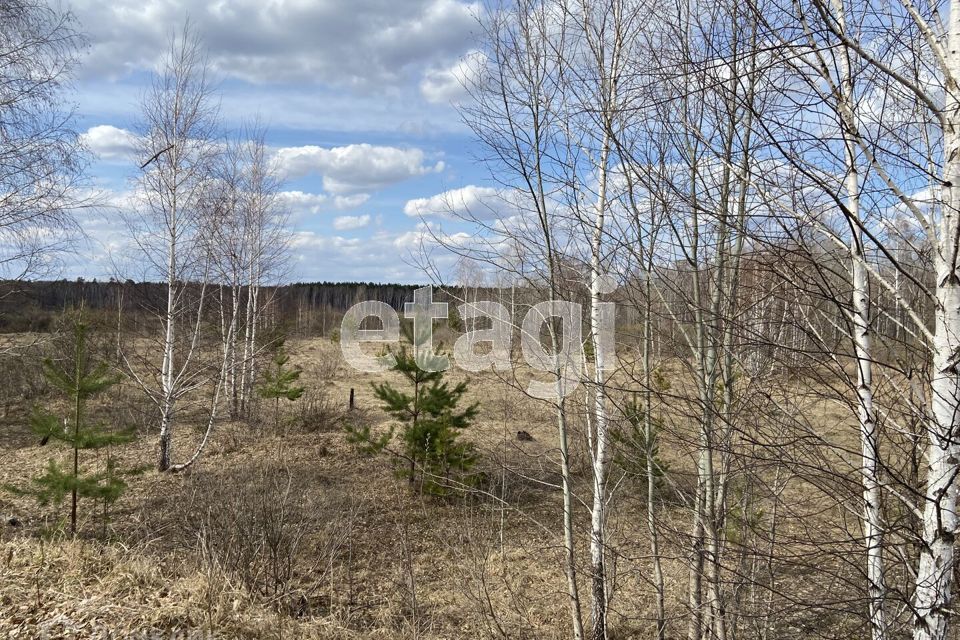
351,398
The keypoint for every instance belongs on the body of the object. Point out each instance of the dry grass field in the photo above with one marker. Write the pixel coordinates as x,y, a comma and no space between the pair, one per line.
293,534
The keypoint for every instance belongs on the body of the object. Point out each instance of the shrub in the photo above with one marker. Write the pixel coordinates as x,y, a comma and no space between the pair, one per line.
318,412
252,525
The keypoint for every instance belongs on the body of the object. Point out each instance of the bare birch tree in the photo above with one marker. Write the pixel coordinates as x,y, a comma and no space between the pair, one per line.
908,138
267,238
514,111
595,73
178,148
41,159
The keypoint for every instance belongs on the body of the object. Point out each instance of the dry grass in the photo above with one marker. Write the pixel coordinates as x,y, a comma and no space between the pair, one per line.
371,560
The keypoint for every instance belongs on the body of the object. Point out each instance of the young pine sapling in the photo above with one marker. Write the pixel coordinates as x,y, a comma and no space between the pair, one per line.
431,423
78,379
280,382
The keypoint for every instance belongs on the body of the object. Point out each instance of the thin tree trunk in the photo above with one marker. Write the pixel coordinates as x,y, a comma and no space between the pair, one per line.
649,435
601,459
872,519
77,416
933,597
166,376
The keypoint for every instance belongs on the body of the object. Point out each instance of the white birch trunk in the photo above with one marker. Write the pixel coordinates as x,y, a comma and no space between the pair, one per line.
869,443
167,390
933,596
872,520
932,599
601,460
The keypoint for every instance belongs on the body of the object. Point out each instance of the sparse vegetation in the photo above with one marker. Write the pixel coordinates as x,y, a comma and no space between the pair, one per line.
701,317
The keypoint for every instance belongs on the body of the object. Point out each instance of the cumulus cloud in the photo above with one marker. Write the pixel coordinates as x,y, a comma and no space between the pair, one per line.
427,236
448,85
377,254
375,259
110,143
473,201
350,202
356,167
351,223
300,203
383,256
366,43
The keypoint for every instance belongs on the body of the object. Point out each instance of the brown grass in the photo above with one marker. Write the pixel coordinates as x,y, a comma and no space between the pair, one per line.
374,561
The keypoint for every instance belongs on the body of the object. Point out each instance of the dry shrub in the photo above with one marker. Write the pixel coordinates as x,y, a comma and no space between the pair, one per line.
252,526
127,407
501,584
23,381
84,589
318,412
260,528
325,363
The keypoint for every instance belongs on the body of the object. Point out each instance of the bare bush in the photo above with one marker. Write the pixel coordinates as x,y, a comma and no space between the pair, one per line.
317,411
326,363
258,529
253,528
23,379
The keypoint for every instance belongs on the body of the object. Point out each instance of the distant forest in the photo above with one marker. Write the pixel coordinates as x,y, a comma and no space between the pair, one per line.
313,307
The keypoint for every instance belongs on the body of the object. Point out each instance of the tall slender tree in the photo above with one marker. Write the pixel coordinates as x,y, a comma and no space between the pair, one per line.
178,149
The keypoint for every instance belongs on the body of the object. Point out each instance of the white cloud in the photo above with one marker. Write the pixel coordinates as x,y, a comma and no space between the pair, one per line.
377,255
356,167
470,201
320,257
307,240
429,236
350,202
300,203
383,256
110,143
366,43
351,223
448,85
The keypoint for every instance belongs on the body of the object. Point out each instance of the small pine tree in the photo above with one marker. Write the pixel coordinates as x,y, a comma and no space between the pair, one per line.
431,423
634,447
78,380
279,383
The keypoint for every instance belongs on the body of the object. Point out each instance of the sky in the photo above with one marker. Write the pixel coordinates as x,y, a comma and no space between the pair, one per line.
358,97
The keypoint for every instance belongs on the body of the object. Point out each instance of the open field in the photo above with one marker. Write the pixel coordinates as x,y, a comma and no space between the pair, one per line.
294,534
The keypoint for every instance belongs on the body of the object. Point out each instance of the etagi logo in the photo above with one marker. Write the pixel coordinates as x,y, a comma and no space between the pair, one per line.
566,362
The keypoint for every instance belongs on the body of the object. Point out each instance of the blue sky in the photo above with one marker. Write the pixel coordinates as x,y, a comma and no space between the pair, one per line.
358,99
